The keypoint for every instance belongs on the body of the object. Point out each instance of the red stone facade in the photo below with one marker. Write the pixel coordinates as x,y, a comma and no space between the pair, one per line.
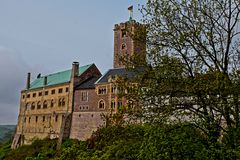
129,40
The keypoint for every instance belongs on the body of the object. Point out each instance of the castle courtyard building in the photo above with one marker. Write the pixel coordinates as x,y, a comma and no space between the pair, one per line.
70,104
47,103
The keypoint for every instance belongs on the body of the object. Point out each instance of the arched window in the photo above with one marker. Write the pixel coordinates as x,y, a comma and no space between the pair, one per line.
60,102
52,103
63,102
45,104
56,118
27,107
101,104
33,106
39,105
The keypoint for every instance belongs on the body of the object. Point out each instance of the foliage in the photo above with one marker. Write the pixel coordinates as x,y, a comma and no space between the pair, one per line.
4,149
6,132
181,141
192,75
44,149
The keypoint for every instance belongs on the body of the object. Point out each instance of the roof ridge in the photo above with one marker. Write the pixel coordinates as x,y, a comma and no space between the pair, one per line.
102,76
65,70
58,77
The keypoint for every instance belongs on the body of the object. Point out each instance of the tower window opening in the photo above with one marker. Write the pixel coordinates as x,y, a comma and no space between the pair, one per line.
101,104
124,33
123,46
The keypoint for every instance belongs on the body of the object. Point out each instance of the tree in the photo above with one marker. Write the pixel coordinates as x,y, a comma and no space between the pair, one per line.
193,65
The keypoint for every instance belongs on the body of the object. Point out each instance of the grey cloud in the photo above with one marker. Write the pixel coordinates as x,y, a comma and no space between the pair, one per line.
12,80
9,113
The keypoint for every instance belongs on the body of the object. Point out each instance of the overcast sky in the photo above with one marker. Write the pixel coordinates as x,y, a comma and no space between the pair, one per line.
46,36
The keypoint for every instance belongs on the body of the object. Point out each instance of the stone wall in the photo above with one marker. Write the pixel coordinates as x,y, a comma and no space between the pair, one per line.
85,123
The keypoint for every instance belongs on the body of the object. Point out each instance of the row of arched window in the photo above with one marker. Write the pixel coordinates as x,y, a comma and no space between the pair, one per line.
37,119
45,104
101,104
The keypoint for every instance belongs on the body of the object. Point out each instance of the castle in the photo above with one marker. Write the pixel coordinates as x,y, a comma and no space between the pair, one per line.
69,104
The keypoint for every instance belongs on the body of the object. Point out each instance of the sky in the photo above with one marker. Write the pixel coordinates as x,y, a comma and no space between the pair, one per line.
43,36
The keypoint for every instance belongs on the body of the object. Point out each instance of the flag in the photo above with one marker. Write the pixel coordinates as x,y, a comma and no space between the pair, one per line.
130,8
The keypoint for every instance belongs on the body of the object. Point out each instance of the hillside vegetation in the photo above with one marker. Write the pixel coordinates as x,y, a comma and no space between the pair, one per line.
6,132
128,142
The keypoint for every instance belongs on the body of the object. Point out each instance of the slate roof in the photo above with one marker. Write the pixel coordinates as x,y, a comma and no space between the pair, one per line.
123,72
89,83
57,78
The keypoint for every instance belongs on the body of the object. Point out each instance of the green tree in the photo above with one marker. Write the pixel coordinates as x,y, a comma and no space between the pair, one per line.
193,66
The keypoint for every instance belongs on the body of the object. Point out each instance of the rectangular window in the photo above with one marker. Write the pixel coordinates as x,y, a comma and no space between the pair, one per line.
39,93
113,104
46,93
43,118
67,89
60,90
120,104
114,90
34,94
53,91
28,95
84,96
102,91
36,118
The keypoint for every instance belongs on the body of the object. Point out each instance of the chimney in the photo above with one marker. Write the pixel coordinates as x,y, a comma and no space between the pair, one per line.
28,80
45,81
75,69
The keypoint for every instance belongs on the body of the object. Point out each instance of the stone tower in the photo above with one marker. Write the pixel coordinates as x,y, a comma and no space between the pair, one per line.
129,41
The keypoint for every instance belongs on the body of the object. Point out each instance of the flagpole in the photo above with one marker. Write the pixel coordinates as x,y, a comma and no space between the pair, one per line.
131,13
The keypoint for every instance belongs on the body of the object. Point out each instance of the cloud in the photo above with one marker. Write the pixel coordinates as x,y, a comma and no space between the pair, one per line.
12,79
